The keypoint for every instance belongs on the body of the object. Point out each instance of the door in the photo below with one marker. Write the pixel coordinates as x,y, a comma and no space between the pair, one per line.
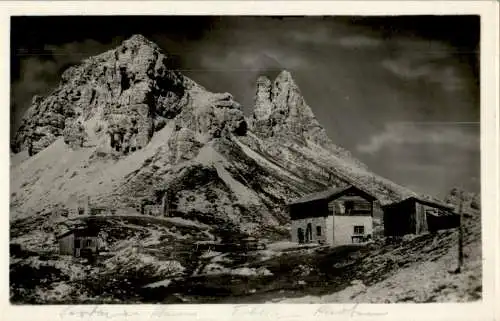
77,247
300,235
309,233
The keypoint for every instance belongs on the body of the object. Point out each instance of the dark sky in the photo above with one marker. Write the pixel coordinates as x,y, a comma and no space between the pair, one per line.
401,93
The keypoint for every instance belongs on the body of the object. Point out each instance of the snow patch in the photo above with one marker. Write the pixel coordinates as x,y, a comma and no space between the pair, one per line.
262,161
163,283
209,156
214,268
244,194
131,259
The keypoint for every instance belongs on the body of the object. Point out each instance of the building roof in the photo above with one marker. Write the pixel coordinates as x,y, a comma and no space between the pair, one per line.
326,194
425,201
435,203
79,231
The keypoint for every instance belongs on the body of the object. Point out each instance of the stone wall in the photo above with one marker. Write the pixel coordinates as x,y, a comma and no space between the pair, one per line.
344,227
321,222
336,230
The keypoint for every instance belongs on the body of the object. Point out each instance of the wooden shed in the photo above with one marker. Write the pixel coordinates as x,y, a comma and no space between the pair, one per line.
74,241
415,215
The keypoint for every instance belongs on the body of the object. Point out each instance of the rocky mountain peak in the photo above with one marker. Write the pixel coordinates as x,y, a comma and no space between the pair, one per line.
125,94
284,78
287,95
139,40
280,109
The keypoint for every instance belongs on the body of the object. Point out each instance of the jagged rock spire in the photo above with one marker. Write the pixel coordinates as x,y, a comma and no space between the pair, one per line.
284,77
280,109
263,99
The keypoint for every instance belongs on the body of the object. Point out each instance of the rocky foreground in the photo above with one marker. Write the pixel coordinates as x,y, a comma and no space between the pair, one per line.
162,269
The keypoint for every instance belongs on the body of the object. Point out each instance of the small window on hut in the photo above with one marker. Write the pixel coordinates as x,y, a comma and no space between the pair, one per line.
359,230
318,230
88,243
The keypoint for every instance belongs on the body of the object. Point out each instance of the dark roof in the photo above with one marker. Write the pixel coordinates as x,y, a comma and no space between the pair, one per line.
424,201
79,232
327,194
435,203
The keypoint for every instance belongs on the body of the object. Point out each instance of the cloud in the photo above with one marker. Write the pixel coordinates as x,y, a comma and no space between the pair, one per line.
323,36
38,74
403,68
314,36
445,76
287,60
75,52
413,134
36,78
252,60
427,61
359,42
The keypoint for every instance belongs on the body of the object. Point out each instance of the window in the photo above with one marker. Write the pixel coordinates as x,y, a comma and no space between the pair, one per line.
318,230
88,243
359,230
81,211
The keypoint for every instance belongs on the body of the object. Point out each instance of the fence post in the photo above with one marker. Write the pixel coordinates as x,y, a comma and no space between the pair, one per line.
460,235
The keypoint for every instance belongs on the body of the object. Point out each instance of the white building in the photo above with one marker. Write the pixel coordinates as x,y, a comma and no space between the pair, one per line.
336,216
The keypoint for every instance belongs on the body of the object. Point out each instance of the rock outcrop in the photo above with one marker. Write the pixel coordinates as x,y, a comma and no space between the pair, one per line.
283,120
280,109
127,93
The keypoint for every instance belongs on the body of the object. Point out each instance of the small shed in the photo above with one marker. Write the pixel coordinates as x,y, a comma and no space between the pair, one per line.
415,215
74,241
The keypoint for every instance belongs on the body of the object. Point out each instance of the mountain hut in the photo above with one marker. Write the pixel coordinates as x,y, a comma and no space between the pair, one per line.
337,216
75,241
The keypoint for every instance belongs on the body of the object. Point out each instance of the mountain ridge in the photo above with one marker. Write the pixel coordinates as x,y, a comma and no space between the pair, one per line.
146,129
